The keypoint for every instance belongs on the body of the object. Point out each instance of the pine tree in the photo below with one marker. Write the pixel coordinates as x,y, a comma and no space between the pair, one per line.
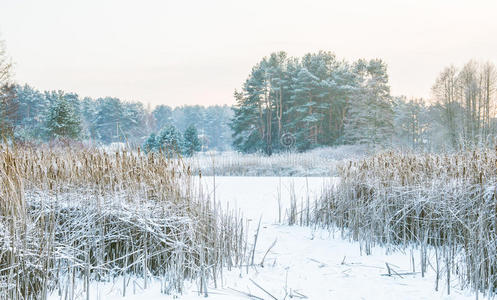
306,118
258,114
63,121
247,137
33,107
370,112
305,97
191,142
151,143
109,119
89,116
134,122
216,132
184,116
169,140
162,115
411,122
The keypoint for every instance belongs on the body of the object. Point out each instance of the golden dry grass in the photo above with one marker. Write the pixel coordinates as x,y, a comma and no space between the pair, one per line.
72,215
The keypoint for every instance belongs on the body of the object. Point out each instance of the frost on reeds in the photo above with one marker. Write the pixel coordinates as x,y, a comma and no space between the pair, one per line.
70,217
316,162
443,204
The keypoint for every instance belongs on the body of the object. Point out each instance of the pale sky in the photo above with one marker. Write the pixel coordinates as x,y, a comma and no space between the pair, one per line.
198,52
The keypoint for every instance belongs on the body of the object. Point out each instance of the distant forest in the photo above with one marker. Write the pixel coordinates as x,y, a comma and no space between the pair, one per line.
31,115
313,101
321,100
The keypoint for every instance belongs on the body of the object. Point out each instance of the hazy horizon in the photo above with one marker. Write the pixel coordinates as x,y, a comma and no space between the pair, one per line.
199,52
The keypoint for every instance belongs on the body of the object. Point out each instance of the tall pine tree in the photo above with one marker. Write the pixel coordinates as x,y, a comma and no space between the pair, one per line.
370,111
191,142
170,140
63,121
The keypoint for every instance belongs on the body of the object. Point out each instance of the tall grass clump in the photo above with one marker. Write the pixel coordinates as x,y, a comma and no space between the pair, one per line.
316,162
70,217
439,203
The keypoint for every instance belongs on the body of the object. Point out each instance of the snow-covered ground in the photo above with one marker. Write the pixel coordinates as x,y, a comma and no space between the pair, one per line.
304,263
258,197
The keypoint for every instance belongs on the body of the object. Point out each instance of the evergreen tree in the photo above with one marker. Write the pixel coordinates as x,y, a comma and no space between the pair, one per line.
184,116
89,116
411,122
216,132
370,113
63,120
247,137
162,115
191,142
31,112
305,97
304,108
169,140
33,107
109,119
151,143
134,125
258,114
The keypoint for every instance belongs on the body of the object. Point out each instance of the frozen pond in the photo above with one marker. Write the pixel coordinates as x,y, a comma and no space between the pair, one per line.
263,196
306,261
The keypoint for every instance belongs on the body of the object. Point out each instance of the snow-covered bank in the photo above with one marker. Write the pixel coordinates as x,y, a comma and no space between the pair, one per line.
302,263
317,162
305,262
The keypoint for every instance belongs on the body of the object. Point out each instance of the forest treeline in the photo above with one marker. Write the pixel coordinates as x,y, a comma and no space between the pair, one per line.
313,101
324,101
30,115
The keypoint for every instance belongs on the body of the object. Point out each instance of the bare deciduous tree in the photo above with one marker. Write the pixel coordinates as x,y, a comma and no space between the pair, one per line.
489,87
444,91
468,99
5,65
7,106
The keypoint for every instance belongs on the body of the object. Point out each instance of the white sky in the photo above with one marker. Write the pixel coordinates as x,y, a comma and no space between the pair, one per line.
198,52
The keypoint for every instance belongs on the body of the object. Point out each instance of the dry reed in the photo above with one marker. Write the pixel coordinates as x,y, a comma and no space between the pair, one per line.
69,217
440,203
